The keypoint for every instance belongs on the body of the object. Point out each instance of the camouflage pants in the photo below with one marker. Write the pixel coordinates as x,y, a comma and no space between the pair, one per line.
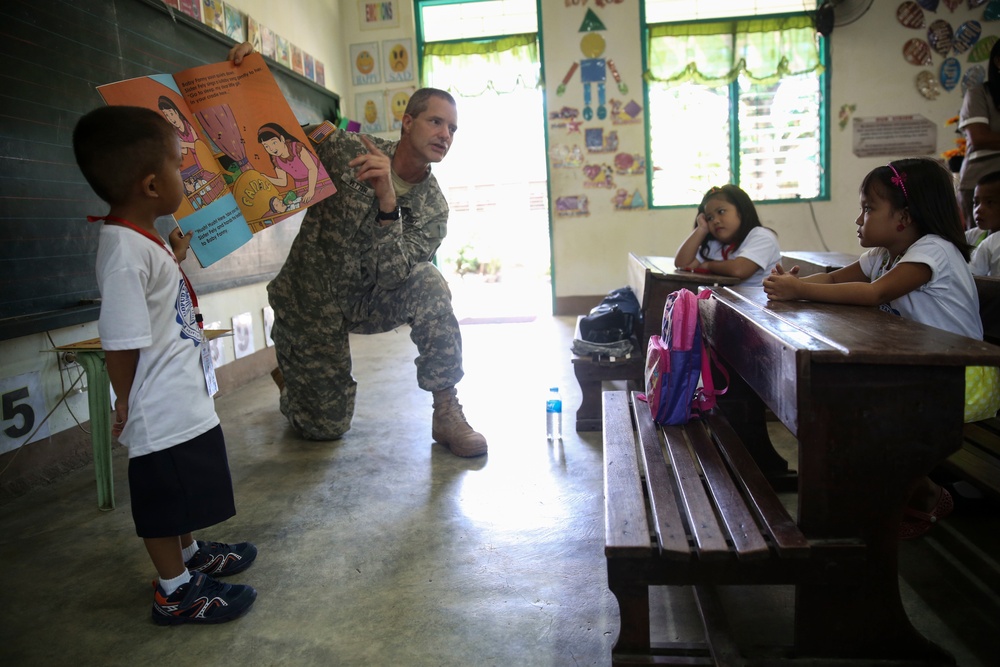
315,358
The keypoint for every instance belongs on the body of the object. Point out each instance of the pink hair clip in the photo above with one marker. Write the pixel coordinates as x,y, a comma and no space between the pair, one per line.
899,180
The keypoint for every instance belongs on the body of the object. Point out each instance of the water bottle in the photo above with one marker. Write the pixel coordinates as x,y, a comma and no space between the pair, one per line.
553,415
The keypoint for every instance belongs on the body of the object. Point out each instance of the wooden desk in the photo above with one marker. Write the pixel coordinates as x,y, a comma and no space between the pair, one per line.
90,355
816,262
988,289
652,279
872,414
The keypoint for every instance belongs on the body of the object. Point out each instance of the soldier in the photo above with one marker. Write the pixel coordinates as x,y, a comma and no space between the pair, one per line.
361,264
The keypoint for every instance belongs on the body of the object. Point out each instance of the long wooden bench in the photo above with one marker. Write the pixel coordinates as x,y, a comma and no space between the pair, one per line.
689,507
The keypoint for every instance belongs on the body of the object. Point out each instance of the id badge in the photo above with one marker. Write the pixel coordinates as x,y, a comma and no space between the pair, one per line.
208,367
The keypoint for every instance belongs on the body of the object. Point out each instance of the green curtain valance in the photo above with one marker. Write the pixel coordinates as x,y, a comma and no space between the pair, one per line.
511,63
717,53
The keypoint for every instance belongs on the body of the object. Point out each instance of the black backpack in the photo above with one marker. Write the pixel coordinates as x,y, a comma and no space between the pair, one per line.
613,319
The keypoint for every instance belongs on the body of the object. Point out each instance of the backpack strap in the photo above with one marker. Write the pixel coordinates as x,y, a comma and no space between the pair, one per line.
705,398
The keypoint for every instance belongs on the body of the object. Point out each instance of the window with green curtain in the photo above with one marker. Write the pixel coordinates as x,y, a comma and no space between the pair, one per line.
510,62
736,101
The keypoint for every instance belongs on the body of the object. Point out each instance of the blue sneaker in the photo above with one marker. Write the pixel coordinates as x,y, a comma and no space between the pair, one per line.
221,560
202,600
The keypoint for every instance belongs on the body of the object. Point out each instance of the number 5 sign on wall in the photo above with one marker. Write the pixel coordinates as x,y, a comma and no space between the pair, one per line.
22,407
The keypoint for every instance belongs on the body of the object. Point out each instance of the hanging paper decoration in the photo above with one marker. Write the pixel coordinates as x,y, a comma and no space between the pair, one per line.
910,15
927,85
941,37
966,35
981,51
917,52
992,12
951,72
929,5
974,76
951,4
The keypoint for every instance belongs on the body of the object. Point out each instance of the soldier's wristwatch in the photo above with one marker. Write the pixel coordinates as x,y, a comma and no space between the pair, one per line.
391,215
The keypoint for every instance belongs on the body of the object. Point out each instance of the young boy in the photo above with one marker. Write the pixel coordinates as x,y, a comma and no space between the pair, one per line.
985,259
179,478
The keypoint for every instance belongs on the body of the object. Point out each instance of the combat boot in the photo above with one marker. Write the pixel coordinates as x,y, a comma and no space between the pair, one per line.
278,378
450,428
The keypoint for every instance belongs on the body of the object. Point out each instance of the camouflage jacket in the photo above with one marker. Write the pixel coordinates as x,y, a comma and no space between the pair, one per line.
342,253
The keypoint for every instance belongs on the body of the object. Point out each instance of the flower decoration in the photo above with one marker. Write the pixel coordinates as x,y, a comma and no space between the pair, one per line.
955,156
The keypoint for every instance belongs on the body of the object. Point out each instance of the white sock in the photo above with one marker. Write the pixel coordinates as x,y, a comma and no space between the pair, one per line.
171,585
189,551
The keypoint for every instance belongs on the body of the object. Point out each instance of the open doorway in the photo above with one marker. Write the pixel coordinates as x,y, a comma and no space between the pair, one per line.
496,256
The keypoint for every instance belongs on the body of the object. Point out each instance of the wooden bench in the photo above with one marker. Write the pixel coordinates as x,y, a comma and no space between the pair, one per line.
691,508
872,415
593,371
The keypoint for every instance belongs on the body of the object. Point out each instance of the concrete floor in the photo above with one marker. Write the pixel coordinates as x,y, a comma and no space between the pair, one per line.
384,549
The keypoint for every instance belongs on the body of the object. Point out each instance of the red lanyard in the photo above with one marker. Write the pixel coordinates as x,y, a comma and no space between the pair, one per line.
115,220
728,249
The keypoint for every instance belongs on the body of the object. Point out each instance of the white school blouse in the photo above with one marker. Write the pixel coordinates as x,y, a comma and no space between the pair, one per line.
948,301
760,247
985,259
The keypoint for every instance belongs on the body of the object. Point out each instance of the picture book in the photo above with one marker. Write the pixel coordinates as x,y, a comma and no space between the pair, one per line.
247,164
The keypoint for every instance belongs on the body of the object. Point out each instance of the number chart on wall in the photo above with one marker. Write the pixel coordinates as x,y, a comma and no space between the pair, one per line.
22,409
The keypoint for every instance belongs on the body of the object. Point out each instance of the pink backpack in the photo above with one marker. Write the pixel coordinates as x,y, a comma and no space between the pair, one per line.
676,360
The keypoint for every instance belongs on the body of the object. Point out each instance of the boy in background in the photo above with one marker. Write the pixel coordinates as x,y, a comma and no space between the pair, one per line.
985,259
179,478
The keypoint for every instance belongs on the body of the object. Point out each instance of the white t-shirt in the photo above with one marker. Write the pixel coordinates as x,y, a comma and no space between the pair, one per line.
760,247
948,301
985,259
975,236
146,306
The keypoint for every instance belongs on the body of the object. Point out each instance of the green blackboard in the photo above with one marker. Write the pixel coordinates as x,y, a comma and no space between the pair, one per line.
55,53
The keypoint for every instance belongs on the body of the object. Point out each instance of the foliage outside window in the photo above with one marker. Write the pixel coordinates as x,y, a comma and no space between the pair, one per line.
737,101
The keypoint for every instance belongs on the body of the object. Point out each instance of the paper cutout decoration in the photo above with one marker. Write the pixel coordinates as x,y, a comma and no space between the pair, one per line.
591,22
992,12
981,51
951,4
910,15
974,76
966,35
927,85
592,44
929,5
951,73
575,205
917,52
941,36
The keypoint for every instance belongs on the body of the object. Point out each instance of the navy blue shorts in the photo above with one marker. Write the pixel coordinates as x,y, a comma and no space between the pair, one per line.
182,488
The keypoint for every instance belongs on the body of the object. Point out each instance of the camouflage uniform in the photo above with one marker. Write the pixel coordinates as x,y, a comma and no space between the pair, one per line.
345,273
